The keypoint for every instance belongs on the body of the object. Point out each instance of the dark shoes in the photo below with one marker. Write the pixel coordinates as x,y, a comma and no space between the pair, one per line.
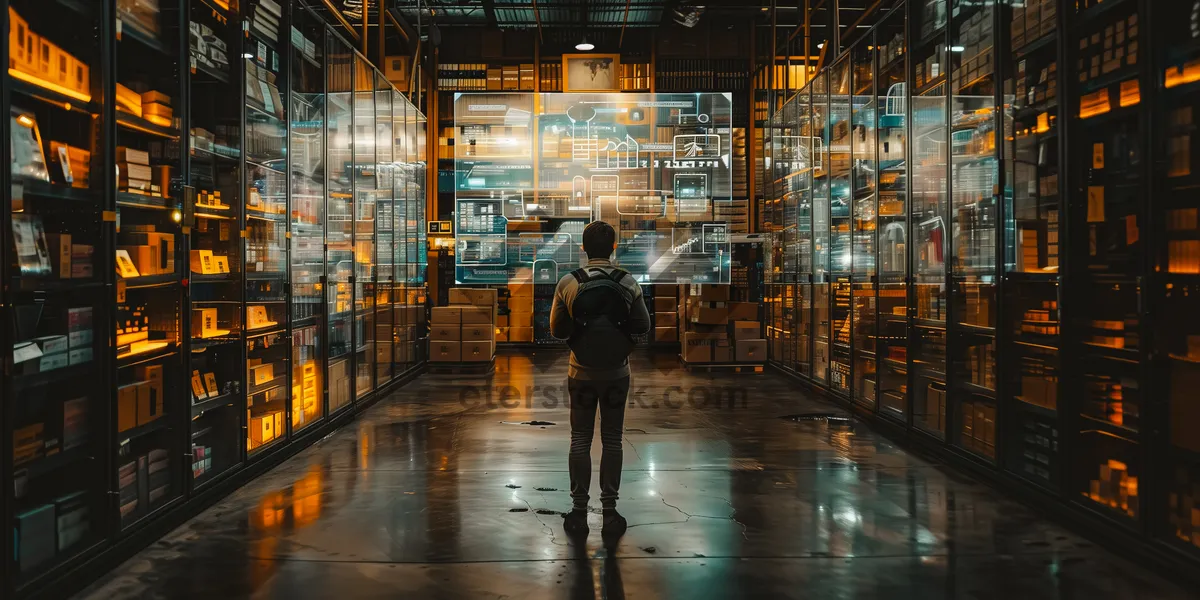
575,523
614,527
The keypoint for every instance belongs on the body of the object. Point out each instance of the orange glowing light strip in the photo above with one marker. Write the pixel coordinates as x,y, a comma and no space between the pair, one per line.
1094,104
1188,73
54,87
1131,94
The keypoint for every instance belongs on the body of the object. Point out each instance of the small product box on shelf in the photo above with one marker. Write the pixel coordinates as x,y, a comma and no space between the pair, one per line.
127,407
79,327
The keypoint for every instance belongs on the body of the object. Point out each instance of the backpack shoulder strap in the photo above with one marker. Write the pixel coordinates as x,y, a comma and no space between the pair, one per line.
580,275
617,275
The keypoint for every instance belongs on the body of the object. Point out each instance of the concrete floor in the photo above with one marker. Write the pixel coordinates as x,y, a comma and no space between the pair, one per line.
439,492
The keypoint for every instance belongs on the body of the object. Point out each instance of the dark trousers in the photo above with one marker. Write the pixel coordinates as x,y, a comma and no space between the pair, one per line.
609,396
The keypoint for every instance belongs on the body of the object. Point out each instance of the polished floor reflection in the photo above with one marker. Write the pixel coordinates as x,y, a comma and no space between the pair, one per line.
451,488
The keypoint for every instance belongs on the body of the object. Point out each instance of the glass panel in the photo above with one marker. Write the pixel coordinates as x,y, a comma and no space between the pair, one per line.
339,220
974,169
306,154
929,212
365,194
1032,121
863,147
840,198
267,352
149,297
892,216
788,224
216,264
1178,337
803,168
820,288
59,301
385,245
1108,212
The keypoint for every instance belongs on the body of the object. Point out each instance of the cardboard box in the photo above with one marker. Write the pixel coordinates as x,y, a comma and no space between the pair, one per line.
743,311
444,332
476,315
446,315
747,330
148,409
666,334
477,351
754,351
722,354
696,348
706,313
666,319
477,333
127,407
152,405
473,296
667,304
520,305
520,290
260,374
501,334
520,320
711,293
520,334
440,351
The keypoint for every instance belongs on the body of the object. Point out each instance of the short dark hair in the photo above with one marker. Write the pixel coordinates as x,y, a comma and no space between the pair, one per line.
598,238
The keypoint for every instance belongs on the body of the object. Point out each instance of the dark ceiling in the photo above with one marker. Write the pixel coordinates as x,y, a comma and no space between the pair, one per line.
566,19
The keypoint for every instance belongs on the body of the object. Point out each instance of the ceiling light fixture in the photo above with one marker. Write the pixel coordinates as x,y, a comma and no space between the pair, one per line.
584,45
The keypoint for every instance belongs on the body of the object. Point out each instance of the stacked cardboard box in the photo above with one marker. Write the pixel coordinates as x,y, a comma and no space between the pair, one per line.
153,253
266,19
133,169
517,325
141,401
721,331
465,331
35,58
666,315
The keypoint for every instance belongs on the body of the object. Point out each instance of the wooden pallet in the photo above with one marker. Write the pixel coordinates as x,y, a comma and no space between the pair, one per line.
461,368
722,367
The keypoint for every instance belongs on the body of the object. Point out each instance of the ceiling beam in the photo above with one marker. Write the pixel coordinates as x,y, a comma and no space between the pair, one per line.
489,10
624,22
537,17
800,27
337,14
863,17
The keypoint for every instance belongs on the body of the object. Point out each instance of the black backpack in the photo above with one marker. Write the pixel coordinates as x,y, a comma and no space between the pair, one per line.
600,311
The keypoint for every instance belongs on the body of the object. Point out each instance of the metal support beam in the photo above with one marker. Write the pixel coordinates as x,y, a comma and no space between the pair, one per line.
835,38
849,35
379,39
801,27
337,14
489,11
537,17
366,20
624,22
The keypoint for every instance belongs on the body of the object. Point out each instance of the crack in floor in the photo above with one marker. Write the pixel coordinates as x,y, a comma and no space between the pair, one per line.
730,517
549,529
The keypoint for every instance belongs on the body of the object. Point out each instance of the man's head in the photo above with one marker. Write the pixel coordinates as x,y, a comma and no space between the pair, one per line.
599,240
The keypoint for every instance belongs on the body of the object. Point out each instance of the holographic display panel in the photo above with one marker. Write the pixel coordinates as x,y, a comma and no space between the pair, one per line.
532,170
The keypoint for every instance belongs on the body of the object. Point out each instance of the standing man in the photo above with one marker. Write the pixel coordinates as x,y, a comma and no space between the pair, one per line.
598,309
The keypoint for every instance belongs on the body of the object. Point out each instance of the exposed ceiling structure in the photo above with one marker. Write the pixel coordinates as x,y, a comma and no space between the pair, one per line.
558,21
